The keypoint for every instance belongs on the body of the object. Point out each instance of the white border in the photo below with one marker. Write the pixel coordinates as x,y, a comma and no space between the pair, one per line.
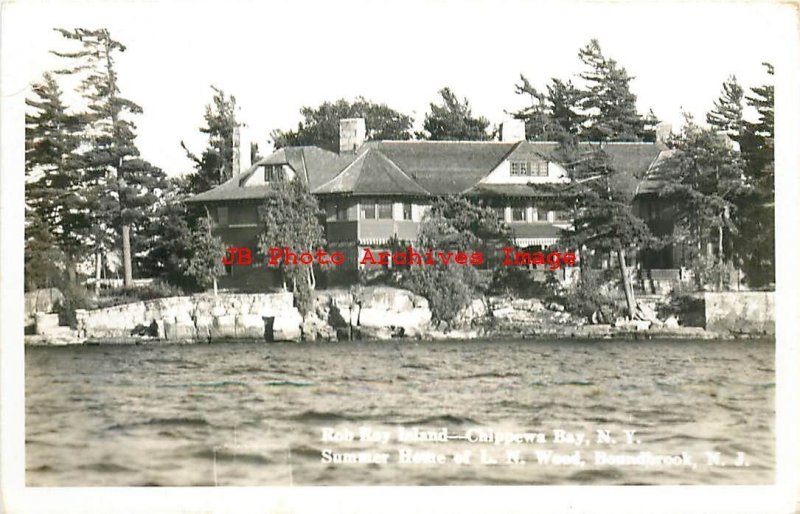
779,498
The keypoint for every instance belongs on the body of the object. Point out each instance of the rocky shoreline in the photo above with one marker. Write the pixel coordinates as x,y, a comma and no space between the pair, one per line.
375,313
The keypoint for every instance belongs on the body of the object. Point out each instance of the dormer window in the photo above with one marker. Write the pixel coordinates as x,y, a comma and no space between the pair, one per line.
529,168
273,172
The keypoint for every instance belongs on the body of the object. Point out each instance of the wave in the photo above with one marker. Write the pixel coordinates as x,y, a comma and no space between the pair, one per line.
220,383
177,421
297,383
315,415
445,419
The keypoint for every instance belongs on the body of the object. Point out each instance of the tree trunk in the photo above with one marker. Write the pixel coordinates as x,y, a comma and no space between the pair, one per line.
71,273
126,255
215,286
98,268
720,260
626,283
312,278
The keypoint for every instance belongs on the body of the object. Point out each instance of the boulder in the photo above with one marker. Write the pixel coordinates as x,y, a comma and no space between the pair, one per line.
645,312
503,312
671,322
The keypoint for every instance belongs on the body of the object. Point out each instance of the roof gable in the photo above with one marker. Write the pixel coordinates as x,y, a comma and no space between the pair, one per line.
444,167
372,173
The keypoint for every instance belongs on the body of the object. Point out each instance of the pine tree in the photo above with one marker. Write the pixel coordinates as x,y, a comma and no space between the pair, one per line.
704,178
756,210
538,117
215,165
118,189
55,207
453,121
604,221
565,100
726,116
608,101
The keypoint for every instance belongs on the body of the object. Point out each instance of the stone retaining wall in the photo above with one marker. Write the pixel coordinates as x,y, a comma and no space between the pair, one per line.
741,312
202,317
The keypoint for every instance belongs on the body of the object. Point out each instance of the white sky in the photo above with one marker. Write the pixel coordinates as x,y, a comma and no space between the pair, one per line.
276,57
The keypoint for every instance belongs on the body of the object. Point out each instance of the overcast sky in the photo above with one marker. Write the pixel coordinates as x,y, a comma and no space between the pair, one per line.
276,57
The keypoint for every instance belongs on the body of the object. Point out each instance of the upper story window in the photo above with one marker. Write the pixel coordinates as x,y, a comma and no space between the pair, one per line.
341,212
519,214
273,172
407,213
385,210
537,168
368,210
372,210
222,216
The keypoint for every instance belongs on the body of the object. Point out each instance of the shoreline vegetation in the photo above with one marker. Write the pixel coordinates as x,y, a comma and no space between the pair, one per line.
364,314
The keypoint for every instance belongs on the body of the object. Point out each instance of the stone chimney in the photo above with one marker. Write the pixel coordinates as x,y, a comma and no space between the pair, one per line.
512,131
242,156
663,131
352,134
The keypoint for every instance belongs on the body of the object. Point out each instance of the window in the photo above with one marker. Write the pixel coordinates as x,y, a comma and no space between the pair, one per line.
385,210
341,212
273,172
243,215
222,216
537,168
367,210
518,213
407,214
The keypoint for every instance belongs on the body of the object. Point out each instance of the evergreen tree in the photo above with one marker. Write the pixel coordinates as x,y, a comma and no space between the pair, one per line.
704,178
538,117
755,245
215,165
320,125
453,121
118,189
205,254
726,116
290,219
565,101
608,101
604,221
56,212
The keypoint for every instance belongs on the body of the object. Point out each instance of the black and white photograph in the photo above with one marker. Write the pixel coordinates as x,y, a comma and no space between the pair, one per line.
422,256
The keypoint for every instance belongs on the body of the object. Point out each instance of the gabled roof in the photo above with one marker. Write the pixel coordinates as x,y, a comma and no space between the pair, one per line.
313,164
444,167
653,182
422,168
371,173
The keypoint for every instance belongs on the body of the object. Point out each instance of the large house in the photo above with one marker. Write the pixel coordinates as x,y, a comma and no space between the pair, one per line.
375,191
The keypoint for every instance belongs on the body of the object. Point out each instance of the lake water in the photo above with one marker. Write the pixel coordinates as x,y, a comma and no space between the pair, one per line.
254,414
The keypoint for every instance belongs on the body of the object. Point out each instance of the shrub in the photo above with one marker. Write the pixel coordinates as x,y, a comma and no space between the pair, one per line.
596,291
688,308
448,289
